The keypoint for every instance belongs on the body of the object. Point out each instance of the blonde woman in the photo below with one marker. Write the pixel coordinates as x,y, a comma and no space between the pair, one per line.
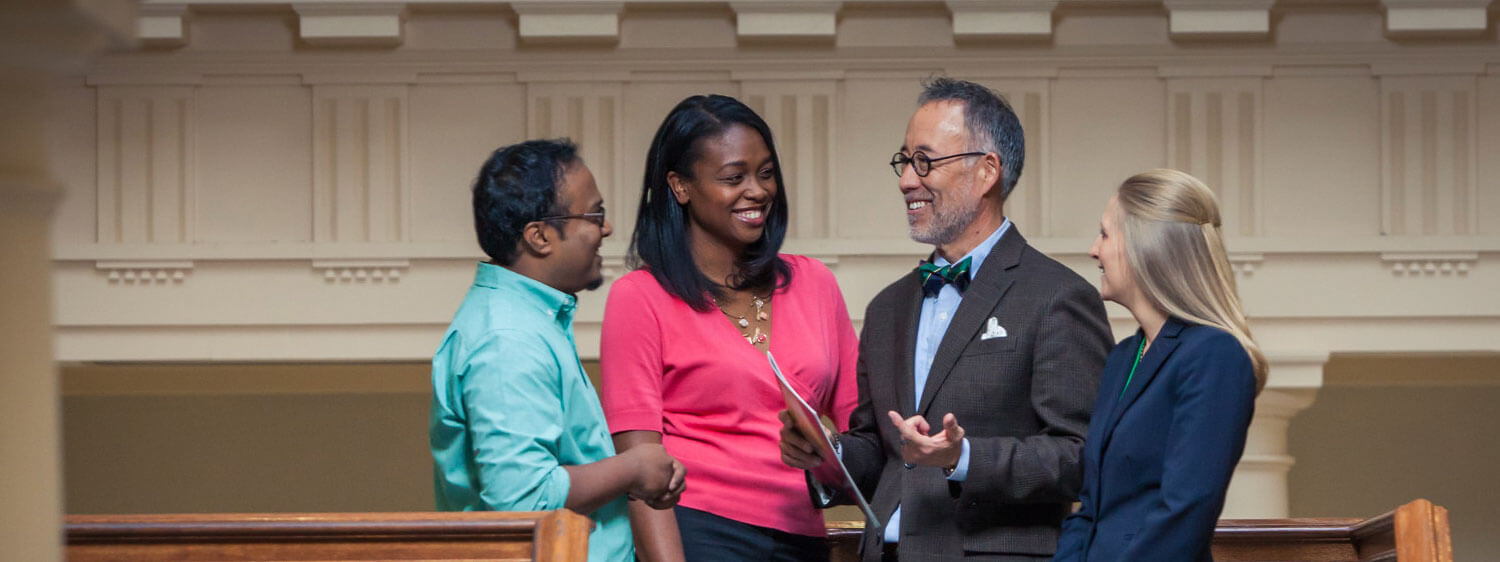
1175,399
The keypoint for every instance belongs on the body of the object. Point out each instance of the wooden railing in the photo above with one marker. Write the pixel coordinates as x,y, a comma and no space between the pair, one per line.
551,536
1415,532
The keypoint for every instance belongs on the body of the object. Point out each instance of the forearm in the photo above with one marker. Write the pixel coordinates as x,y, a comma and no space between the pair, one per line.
655,530
1036,469
656,535
595,484
863,455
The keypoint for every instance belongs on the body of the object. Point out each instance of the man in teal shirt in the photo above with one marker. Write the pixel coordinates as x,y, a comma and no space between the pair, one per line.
515,423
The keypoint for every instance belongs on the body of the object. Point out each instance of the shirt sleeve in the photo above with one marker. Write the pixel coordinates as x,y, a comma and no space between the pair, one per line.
961,469
630,358
511,397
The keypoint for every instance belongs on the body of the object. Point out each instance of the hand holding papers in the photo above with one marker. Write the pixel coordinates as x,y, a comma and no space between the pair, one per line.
829,472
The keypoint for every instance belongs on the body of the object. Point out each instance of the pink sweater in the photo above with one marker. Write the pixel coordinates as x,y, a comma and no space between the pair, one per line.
692,377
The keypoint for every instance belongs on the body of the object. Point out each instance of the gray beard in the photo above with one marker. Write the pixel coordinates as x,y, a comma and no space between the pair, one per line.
945,227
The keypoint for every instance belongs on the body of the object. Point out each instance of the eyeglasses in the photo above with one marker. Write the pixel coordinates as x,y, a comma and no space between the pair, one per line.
596,218
922,163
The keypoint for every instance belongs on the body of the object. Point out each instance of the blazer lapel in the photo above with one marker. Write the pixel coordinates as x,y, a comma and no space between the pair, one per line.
995,277
1166,342
907,314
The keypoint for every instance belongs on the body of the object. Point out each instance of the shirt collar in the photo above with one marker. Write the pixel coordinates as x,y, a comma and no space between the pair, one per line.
551,301
977,255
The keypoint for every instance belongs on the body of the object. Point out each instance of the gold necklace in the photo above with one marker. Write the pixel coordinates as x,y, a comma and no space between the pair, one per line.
751,337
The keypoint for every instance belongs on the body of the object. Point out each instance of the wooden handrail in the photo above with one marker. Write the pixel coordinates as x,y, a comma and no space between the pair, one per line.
552,536
1415,532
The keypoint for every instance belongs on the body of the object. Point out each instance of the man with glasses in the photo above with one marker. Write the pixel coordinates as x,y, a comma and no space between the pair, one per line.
978,370
515,424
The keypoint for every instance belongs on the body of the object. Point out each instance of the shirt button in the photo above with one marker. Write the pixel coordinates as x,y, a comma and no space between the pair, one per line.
942,316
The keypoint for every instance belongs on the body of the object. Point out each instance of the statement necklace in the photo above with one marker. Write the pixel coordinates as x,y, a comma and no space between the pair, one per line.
753,337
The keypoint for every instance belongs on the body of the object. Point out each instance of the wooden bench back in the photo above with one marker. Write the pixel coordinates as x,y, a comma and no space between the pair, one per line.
1415,532
551,536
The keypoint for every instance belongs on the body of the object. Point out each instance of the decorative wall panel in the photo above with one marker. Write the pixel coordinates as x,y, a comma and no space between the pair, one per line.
145,151
454,128
254,161
801,114
588,112
1428,149
1104,128
359,163
287,173
1214,132
1030,200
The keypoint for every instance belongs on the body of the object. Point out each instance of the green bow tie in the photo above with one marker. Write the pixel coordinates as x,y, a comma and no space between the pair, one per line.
933,276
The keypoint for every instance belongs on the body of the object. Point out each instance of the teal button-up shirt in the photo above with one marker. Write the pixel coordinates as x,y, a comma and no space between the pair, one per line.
511,406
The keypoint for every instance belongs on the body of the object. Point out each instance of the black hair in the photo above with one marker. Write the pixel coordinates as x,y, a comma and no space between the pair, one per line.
660,240
992,124
518,184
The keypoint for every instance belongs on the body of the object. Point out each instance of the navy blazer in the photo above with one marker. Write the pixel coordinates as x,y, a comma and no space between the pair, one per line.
1157,461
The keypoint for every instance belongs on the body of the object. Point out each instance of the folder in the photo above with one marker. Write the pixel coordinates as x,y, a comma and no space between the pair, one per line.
831,474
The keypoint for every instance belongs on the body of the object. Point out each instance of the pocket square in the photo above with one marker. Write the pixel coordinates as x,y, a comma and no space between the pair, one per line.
992,330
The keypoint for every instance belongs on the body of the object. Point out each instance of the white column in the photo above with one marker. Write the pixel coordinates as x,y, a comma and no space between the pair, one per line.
1259,488
41,40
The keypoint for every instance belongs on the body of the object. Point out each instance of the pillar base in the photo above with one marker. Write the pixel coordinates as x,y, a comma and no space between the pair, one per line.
1259,488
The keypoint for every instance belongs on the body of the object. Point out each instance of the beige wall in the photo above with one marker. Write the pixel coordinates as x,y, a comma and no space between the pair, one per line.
256,186
325,186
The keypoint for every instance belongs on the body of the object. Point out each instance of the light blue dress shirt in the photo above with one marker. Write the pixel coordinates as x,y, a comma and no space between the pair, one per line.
937,313
511,406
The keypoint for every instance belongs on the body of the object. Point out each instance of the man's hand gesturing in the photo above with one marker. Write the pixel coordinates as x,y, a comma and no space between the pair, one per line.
918,448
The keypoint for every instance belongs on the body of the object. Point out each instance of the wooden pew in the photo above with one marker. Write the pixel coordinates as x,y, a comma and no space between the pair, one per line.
1415,532
549,536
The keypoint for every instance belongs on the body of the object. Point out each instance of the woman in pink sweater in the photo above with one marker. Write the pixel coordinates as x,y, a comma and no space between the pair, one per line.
685,337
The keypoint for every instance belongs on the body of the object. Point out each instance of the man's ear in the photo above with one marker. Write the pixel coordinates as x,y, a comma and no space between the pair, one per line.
989,172
678,185
536,239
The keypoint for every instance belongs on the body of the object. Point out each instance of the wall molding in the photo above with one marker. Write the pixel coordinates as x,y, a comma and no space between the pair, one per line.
1442,264
361,271
1373,59
1242,249
145,272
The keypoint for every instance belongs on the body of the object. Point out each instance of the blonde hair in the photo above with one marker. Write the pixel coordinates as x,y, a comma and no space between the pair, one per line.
1175,250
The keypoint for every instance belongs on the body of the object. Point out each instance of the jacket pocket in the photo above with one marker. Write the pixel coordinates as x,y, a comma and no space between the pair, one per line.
980,346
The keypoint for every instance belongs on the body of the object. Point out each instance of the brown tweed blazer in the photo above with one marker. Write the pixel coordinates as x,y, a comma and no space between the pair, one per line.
1023,400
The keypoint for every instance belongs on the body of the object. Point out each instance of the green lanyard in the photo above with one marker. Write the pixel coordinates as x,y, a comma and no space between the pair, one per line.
1139,351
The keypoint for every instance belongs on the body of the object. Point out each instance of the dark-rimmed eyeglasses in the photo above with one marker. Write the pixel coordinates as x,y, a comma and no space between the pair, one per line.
921,162
596,218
